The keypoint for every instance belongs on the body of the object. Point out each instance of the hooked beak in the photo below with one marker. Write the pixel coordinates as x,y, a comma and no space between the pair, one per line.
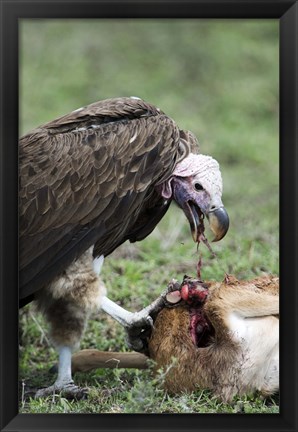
218,220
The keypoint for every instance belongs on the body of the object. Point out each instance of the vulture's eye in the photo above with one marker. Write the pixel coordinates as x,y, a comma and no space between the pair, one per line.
198,187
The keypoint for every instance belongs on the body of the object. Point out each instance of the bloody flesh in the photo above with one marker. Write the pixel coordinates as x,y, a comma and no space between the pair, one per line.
199,327
194,292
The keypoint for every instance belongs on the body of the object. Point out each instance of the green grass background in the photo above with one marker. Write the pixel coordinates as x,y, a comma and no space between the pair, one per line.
217,78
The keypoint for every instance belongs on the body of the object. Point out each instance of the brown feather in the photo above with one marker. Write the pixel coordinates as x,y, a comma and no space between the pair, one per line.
78,171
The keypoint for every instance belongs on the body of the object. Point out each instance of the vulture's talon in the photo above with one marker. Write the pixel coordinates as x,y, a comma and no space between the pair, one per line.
139,321
136,344
138,330
69,390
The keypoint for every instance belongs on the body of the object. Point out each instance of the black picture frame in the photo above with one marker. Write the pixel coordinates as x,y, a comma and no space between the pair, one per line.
11,12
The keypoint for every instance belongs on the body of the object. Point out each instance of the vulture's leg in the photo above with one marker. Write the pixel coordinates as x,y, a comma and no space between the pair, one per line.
138,325
67,303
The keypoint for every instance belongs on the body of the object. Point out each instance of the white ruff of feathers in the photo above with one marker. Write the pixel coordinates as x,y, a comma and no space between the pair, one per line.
204,168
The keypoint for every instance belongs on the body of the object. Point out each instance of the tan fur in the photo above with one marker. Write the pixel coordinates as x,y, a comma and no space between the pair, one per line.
69,299
231,363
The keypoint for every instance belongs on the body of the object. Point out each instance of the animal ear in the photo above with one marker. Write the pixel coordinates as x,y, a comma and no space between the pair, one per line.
230,280
189,140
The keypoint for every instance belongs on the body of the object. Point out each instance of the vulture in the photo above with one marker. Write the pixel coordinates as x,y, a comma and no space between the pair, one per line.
89,181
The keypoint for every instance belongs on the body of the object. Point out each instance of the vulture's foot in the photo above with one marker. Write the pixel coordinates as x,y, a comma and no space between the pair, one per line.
67,389
138,329
140,325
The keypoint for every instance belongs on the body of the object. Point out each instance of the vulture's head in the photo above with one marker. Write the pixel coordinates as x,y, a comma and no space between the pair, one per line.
196,186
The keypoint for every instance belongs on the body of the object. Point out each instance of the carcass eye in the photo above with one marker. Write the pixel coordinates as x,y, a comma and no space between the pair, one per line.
198,187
